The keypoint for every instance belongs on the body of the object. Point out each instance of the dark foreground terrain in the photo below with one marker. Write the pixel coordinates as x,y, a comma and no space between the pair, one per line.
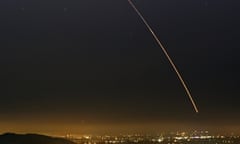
10,138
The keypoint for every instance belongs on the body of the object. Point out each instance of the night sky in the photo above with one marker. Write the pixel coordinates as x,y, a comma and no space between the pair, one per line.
93,65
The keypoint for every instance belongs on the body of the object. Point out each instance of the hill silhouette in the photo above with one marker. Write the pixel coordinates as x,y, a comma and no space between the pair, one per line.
11,138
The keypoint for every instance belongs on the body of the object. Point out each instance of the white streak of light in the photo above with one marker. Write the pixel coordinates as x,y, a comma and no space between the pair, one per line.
167,55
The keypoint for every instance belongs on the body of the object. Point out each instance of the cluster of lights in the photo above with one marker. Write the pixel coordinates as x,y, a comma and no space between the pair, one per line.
172,138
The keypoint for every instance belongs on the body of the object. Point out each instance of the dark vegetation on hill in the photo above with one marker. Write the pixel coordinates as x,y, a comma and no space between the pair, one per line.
11,138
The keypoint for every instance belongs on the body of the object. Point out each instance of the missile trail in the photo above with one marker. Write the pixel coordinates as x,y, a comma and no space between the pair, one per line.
167,55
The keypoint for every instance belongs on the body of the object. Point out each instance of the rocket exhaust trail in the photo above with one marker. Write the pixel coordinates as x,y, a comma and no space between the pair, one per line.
167,55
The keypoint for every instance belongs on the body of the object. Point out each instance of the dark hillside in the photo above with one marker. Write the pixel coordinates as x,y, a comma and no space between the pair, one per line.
10,138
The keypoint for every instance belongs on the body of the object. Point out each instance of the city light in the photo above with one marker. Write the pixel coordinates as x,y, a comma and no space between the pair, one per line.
167,138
